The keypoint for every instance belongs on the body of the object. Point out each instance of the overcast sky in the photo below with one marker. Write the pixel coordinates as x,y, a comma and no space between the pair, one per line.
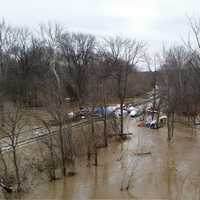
155,21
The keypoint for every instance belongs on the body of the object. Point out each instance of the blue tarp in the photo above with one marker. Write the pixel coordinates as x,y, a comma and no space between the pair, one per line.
101,110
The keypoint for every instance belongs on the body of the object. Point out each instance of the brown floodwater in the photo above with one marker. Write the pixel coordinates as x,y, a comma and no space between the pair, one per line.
170,171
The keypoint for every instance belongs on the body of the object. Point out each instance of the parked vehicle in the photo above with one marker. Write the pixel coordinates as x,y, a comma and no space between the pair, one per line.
162,120
100,111
118,112
131,108
83,113
71,115
161,123
153,124
133,113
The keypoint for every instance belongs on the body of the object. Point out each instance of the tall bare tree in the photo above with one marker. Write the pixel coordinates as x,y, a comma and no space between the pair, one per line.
53,87
77,51
122,55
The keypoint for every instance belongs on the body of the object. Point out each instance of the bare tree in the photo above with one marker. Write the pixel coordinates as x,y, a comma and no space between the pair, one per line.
14,124
122,55
54,99
104,81
93,99
172,84
77,51
49,142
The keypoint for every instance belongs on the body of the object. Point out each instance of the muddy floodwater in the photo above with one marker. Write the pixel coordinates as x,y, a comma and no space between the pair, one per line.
166,171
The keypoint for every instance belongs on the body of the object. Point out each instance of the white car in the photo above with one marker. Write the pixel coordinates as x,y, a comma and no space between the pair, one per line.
133,113
131,108
70,115
118,112
162,121
153,124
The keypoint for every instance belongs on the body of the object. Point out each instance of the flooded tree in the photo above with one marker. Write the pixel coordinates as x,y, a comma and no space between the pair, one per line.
93,99
15,122
122,55
171,85
53,98
49,141
105,94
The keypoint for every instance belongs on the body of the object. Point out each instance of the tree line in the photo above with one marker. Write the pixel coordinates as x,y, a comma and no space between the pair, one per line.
177,75
31,61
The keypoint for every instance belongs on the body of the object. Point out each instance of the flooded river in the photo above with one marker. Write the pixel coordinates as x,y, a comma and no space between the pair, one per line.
166,171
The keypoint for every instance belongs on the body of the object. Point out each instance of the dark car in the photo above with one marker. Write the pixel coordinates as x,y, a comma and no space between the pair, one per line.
83,113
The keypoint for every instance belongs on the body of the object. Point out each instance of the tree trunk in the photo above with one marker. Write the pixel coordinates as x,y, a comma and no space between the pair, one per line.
105,124
4,163
158,121
88,153
158,115
94,137
154,102
53,173
16,169
71,150
193,125
2,114
172,125
168,127
121,119
62,149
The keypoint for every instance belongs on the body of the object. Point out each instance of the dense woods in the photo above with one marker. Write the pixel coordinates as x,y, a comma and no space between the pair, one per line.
32,63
